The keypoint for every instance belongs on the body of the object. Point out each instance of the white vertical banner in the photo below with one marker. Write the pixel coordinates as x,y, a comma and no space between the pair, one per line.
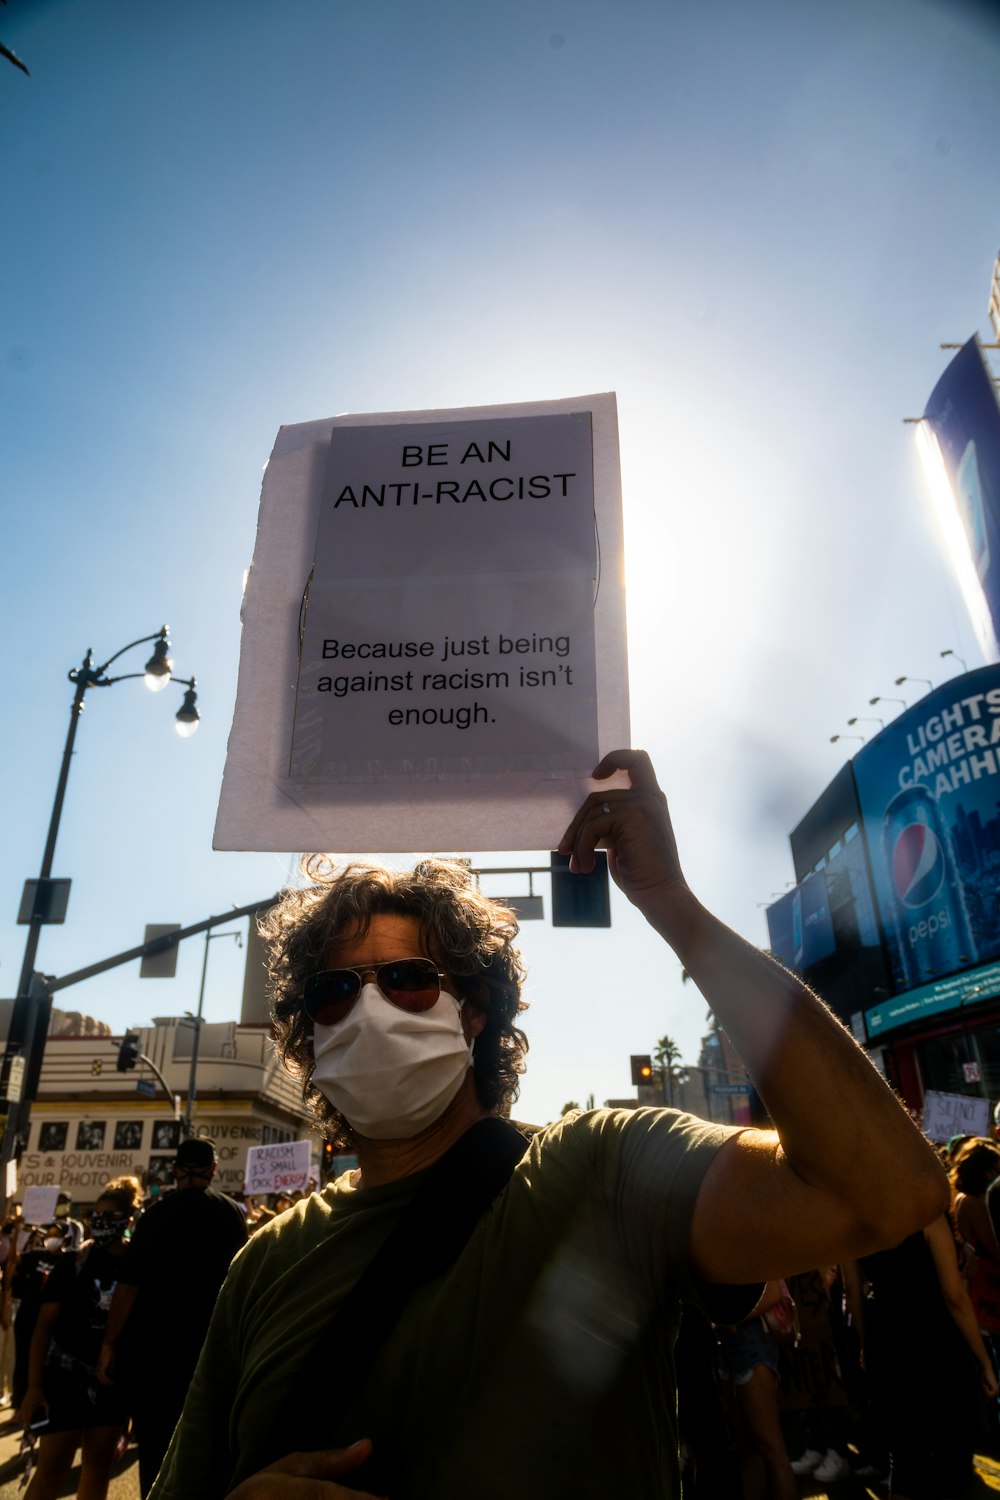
433,645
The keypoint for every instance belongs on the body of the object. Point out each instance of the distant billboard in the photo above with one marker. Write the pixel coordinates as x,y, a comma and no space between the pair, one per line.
929,791
827,929
799,925
964,417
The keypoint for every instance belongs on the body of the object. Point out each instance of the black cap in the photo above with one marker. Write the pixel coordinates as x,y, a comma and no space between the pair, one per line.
196,1153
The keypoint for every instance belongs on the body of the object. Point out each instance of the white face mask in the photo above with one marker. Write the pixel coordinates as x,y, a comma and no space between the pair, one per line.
391,1072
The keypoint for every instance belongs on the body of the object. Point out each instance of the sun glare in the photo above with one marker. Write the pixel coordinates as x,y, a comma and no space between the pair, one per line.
955,542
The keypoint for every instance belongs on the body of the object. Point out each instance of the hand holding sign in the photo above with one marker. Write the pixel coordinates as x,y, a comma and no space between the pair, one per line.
634,826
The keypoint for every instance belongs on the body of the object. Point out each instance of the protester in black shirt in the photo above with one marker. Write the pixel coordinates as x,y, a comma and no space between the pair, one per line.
62,1376
27,1283
179,1256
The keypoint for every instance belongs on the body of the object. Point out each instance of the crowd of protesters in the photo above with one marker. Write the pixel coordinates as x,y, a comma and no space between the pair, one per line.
884,1368
137,1272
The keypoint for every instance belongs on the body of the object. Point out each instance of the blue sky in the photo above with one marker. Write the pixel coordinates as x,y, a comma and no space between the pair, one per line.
755,223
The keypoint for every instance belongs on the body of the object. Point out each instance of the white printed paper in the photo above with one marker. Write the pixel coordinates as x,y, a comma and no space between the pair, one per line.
433,651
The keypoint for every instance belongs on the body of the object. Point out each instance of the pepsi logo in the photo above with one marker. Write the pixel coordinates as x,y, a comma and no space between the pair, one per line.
917,865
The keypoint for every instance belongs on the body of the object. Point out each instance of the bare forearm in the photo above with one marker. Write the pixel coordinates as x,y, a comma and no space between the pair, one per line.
122,1304
839,1124
848,1172
965,1319
40,1340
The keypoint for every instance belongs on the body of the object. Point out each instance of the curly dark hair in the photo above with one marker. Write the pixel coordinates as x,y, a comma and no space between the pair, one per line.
467,933
124,1192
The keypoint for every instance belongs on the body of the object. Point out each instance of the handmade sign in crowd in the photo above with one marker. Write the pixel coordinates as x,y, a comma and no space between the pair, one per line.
433,647
281,1168
946,1115
39,1206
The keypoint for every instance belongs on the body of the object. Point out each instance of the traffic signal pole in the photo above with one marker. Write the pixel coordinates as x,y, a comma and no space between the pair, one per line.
155,945
129,1055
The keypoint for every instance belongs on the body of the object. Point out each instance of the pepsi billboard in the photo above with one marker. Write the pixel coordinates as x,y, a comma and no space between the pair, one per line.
963,414
929,792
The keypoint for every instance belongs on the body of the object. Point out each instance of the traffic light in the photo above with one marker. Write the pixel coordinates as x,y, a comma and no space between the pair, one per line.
128,1052
642,1069
580,900
327,1168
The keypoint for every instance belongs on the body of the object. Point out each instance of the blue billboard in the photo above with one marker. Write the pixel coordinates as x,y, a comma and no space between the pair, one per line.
963,414
929,791
800,929
827,928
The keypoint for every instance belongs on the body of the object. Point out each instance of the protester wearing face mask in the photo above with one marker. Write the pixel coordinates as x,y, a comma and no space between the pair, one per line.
177,1260
65,1402
31,1271
468,1314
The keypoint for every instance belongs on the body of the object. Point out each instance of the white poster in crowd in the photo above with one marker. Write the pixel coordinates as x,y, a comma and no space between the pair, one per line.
281,1168
946,1115
433,650
39,1206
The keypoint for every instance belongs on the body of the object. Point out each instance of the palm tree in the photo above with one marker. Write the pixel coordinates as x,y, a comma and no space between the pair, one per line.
667,1057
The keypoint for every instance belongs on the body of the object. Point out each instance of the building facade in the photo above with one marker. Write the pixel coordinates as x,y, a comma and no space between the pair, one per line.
91,1123
895,917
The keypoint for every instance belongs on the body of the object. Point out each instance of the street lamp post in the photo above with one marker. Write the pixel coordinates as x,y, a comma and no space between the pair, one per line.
30,1012
196,1044
879,699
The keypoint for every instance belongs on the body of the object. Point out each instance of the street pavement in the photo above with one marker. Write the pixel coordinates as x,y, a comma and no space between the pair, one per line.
124,1475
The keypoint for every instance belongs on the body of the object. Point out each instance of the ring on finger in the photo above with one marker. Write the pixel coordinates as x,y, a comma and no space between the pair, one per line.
605,807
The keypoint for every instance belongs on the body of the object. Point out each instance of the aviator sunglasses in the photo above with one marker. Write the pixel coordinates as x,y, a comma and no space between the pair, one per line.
412,984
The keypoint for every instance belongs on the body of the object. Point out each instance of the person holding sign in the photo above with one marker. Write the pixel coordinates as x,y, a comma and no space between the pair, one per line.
469,1314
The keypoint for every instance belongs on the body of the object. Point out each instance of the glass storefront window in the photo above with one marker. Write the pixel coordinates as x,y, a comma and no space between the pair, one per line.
988,1044
940,1061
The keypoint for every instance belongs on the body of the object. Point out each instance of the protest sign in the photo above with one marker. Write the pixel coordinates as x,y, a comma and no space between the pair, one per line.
39,1206
433,648
946,1115
281,1168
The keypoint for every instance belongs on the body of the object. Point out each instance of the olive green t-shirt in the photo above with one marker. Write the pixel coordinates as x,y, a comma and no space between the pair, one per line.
540,1365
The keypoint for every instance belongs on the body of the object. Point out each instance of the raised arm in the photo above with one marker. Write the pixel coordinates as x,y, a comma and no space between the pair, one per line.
942,1247
846,1171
